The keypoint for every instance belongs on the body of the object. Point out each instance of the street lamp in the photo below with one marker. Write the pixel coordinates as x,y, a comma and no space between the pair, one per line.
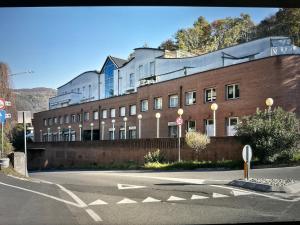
80,132
140,127
58,128
41,136
92,126
69,133
180,112
214,108
157,115
125,120
269,103
48,134
102,132
113,129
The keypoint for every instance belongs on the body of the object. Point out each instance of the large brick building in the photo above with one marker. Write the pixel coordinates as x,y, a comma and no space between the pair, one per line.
238,90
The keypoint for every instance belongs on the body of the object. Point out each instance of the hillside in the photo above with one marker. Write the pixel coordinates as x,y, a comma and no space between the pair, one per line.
34,100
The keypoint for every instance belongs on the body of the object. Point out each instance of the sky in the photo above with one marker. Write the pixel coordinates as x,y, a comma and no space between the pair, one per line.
59,43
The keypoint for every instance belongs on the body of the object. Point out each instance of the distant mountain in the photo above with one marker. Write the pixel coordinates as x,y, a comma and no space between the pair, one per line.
34,99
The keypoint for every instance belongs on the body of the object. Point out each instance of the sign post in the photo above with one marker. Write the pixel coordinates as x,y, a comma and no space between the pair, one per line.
247,155
2,121
179,122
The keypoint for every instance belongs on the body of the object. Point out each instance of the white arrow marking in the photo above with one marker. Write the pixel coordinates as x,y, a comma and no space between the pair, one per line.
174,198
198,197
217,195
238,193
98,202
149,199
129,186
126,201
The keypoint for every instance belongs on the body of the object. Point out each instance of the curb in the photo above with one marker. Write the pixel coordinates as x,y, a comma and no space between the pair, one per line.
290,189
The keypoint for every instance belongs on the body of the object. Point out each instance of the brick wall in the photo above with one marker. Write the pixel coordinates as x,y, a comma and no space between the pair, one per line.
43,155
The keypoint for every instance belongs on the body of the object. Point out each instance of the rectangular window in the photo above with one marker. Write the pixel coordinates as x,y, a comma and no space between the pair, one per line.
123,111
209,127
78,118
73,118
132,134
172,131
55,120
231,126
50,121
45,122
61,120
111,135
104,113
83,90
191,125
173,101
67,119
131,80
95,115
144,105
190,98
233,91
210,95
112,113
90,91
86,116
132,110
152,68
122,134
141,71
158,103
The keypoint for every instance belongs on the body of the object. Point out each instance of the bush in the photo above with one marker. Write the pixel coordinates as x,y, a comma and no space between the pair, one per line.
196,141
153,157
273,136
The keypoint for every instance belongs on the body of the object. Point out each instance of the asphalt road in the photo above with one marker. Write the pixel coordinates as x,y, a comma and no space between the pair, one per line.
140,197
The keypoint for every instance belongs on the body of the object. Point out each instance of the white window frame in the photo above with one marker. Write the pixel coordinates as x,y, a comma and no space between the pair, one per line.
112,113
104,114
170,97
234,91
229,124
152,68
189,97
188,125
86,116
73,118
131,111
141,71
158,103
212,98
131,80
122,111
95,115
144,105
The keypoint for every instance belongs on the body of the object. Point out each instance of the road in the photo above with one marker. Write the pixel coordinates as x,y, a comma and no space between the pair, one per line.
143,197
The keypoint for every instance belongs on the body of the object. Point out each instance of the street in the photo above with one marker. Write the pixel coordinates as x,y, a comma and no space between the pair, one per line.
143,197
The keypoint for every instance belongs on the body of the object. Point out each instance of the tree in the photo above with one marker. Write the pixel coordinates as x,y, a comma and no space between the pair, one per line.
272,135
196,141
18,137
168,45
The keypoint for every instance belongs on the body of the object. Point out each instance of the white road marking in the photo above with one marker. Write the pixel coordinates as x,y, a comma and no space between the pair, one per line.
94,215
238,193
98,202
43,194
198,197
217,195
129,186
75,197
149,199
174,198
126,201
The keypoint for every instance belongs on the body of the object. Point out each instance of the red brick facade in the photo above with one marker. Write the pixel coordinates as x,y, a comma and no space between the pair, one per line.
277,77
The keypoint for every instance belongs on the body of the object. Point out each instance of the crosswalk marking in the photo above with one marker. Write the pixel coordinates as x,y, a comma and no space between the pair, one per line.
238,193
129,186
149,199
174,198
126,201
198,197
217,195
98,202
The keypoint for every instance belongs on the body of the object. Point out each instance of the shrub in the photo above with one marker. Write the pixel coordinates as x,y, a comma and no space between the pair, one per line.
273,136
152,157
196,141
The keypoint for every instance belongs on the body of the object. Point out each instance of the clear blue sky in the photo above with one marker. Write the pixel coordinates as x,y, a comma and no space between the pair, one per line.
60,43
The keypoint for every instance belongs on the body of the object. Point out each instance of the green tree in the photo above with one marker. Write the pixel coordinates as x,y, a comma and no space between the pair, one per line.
273,135
18,137
197,141
168,45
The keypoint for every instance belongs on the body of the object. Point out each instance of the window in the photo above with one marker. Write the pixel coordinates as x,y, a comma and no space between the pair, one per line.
86,116
55,120
190,98
45,122
95,115
132,134
209,127
67,119
231,127
158,103
132,110
152,68
108,69
122,133
78,90
50,121
111,135
61,120
131,80
73,118
191,125
173,101
140,71
233,91
144,105
90,91
78,118
83,89
122,111
104,113
172,131
210,95
112,113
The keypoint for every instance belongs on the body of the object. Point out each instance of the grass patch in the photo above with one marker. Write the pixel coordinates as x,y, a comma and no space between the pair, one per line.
10,171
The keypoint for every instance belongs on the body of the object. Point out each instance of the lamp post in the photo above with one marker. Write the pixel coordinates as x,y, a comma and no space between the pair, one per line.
140,127
80,132
269,103
102,132
48,134
180,112
59,134
125,120
41,136
69,133
157,115
214,108
92,126
113,129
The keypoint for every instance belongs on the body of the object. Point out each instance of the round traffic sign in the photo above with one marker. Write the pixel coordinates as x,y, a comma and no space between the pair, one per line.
2,103
179,121
247,153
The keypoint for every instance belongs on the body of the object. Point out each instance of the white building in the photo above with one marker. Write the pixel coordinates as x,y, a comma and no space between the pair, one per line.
150,65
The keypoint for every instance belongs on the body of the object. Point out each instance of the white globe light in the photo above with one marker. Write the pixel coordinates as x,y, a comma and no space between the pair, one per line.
269,101
113,121
102,122
125,119
157,115
140,116
214,107
180,112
